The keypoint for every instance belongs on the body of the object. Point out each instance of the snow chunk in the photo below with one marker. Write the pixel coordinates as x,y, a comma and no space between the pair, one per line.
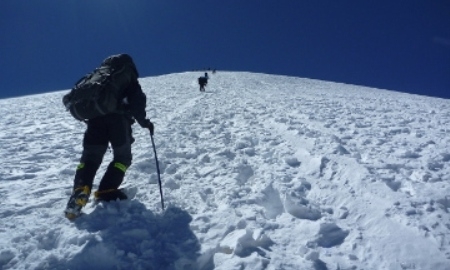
330,235
300,207
293,162
244,242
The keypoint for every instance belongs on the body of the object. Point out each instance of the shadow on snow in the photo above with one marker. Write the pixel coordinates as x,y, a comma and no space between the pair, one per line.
126,235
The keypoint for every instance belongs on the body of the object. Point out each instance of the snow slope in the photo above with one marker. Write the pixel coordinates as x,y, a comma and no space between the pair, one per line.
258,172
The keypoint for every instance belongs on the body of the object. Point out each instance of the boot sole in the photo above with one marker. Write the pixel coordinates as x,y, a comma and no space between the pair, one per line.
71,216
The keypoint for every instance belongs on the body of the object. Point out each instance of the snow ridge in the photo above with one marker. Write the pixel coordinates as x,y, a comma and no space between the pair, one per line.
259,172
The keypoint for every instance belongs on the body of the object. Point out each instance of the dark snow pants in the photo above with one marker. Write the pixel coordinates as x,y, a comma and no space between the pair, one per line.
114,129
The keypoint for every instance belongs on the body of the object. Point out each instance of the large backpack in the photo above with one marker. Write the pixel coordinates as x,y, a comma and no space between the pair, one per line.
202,80
100,92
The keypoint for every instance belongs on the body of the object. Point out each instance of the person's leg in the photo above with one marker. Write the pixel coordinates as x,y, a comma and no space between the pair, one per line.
119,130
95,143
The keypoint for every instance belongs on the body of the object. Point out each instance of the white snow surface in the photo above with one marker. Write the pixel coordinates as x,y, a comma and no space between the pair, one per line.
258,172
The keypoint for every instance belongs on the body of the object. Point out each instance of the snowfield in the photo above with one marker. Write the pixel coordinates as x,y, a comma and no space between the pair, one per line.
259,172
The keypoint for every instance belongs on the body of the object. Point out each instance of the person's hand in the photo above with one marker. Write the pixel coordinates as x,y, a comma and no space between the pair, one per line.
148,124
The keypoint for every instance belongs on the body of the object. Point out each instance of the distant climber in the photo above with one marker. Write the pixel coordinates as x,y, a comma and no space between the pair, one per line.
203,81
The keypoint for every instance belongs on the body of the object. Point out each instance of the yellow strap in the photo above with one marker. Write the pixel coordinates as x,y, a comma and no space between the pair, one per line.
85,189
80,166
120,166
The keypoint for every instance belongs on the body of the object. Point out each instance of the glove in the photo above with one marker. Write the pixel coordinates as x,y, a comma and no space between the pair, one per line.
148,124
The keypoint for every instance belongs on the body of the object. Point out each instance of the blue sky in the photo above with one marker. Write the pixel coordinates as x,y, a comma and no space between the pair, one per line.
48,45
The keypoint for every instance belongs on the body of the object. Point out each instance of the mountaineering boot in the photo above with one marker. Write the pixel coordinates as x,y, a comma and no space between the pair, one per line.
85,173
113,176
110,195
108,189
78,199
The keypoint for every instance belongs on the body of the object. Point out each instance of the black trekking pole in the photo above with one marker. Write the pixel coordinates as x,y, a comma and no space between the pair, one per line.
159,174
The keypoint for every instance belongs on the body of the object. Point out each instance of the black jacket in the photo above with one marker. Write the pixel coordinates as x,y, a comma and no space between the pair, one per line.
134,102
